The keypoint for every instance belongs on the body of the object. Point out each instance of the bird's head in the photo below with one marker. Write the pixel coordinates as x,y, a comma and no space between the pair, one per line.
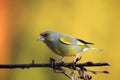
47,35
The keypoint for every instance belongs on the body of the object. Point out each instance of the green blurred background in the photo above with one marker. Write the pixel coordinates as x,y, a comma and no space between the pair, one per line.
97,21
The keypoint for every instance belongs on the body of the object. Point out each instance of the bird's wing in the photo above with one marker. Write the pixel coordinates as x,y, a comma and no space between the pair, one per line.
71,41
85,42
66,40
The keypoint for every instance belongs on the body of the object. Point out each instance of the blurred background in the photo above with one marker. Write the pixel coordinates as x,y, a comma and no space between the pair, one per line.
21,21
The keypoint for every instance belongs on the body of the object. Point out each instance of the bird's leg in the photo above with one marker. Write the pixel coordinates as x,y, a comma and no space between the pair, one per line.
76,56
74,62
61,59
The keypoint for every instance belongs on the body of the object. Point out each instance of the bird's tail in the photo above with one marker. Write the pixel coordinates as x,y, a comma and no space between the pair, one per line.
92,48
98,49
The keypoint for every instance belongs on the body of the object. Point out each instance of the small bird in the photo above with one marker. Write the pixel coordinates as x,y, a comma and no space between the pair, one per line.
63,44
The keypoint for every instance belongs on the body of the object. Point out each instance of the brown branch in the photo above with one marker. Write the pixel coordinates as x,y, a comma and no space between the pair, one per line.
62,64
59,68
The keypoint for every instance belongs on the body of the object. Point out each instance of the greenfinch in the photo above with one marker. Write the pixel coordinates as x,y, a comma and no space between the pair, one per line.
63,44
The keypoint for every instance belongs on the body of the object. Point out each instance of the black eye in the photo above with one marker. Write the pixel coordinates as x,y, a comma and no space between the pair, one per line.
45,35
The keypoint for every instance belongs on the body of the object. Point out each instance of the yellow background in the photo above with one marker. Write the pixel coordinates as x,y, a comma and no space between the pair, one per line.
97,21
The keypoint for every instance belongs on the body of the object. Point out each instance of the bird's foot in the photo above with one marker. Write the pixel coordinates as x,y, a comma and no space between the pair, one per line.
77,59
56,69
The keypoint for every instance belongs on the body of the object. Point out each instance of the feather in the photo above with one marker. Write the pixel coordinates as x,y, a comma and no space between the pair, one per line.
65,40
85,42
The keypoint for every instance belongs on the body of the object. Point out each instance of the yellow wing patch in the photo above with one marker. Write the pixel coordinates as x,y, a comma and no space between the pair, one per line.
80,44
65,40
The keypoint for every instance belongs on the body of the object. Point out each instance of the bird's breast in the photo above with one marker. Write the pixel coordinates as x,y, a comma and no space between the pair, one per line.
68,50
63,49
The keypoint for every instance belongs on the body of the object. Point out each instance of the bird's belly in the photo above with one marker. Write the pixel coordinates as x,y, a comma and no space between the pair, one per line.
70,53
65,50
68,50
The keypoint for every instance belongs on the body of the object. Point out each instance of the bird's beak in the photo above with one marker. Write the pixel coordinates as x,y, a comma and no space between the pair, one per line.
40,38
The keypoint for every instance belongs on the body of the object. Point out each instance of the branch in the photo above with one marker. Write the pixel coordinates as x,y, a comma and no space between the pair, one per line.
59,68
31,65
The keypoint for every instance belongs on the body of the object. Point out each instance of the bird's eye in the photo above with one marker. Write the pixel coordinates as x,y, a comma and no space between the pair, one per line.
45,35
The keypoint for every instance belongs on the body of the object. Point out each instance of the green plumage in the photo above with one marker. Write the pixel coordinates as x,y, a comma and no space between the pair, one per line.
63,44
